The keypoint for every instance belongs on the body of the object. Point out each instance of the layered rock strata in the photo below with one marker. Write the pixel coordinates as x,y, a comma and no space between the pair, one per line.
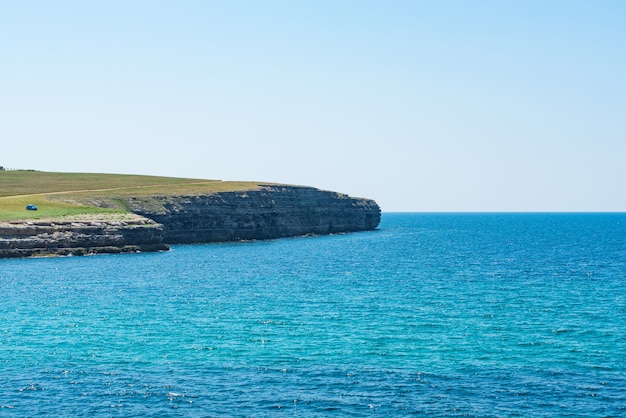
265,213
80,236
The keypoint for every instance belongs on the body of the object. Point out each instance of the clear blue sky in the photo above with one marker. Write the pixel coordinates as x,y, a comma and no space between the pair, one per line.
421,105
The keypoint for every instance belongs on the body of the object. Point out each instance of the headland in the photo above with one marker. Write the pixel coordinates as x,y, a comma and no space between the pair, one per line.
85,213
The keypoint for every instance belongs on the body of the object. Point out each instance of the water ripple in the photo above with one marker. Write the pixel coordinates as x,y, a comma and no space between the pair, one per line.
455,315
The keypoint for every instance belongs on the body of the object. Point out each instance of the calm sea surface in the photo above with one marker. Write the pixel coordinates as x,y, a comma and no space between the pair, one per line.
433,314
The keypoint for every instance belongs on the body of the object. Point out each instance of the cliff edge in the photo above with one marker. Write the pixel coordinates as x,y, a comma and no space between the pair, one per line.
265,212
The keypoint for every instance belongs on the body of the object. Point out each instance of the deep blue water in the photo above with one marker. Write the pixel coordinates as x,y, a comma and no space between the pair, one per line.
432,314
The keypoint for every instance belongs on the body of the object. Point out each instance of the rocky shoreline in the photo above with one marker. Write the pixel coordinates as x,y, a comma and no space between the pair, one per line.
116,233
266,213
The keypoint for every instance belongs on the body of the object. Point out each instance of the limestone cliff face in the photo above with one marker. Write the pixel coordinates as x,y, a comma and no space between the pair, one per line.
104,234
266,213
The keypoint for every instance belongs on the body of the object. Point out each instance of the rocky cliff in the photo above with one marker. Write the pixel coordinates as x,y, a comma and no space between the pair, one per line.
264,213
81,235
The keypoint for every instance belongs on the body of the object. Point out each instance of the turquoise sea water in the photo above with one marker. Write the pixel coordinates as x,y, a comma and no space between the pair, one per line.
432,314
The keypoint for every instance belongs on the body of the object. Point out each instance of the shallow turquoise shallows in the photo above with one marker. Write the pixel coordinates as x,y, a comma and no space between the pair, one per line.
432,314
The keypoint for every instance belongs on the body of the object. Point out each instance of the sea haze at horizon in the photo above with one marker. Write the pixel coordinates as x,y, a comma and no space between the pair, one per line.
431,314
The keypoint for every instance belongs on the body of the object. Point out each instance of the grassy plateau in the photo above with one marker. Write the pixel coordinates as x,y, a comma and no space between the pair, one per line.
66,194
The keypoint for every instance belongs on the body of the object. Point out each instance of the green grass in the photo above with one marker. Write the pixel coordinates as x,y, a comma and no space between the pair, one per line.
35,182
63,194
13,208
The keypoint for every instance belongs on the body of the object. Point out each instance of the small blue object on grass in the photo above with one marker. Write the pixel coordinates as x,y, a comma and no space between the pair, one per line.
31,207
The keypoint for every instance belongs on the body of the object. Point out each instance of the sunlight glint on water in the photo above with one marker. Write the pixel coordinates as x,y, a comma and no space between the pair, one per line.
439,314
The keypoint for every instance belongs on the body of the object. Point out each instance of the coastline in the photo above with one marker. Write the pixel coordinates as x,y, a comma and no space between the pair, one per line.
270,212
